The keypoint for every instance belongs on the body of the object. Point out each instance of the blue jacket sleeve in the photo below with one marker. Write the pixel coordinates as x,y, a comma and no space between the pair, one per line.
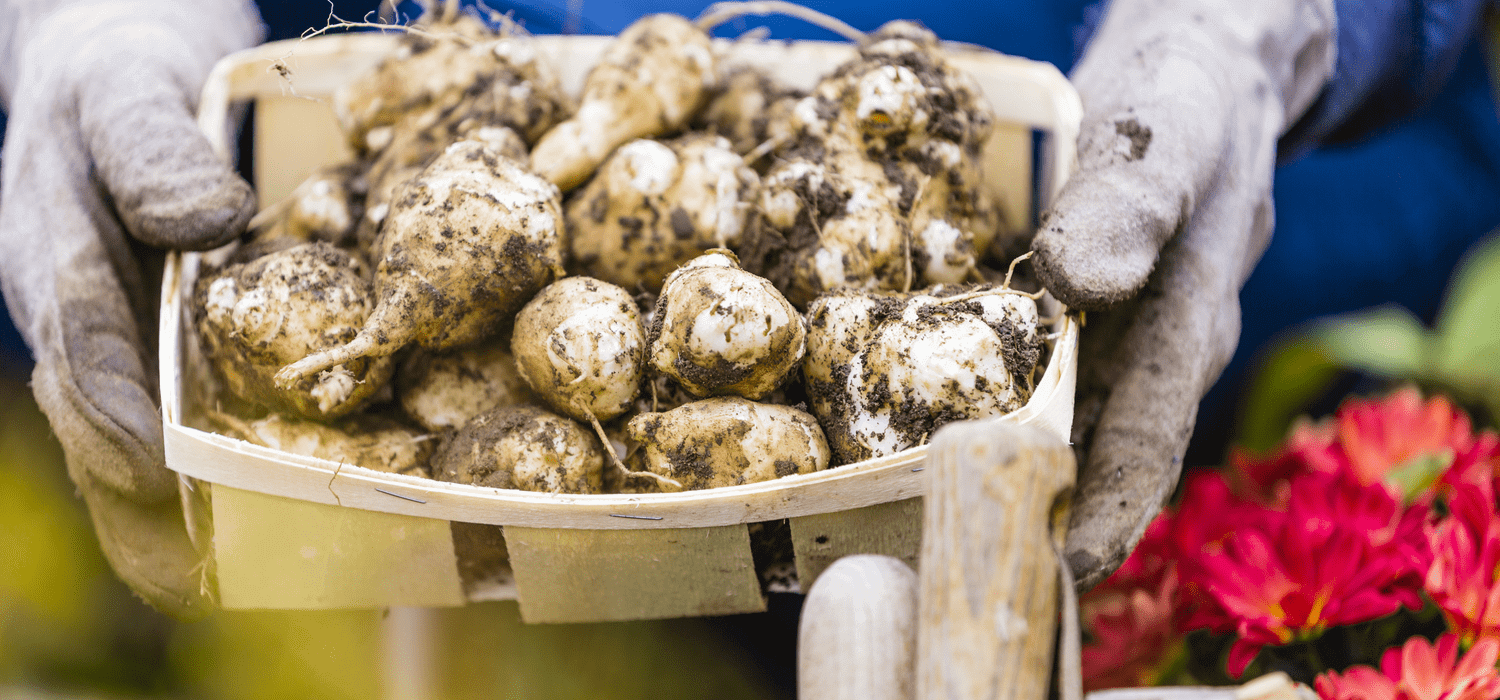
1393,58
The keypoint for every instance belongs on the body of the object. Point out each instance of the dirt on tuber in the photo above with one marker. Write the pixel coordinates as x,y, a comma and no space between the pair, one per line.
254,317
718,330
467,243
728,441
525,448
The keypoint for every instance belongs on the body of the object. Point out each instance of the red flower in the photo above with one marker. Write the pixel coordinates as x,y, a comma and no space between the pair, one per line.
1133,633
1340,554
1420,671
1466,554
1383,435
1476,465
1210,512
1399,440
1309,446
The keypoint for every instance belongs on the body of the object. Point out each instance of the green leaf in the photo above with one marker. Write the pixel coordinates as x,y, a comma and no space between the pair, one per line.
1291,376
1468,330
1419,473
1385,340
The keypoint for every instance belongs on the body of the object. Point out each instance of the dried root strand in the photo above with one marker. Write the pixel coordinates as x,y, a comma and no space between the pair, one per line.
721,12
1012,269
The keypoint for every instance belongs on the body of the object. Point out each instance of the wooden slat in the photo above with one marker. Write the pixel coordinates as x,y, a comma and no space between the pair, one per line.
602,575
280,553
893,529
989,577
293,137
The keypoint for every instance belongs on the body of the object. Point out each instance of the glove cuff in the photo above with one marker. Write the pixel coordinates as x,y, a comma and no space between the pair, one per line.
1291,44
31,29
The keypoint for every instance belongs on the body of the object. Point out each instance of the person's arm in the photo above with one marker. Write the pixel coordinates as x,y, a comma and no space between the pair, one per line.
1184,101
1393,58
104,167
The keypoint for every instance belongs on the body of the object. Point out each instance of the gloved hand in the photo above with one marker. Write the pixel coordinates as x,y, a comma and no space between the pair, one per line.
103,167
1159,228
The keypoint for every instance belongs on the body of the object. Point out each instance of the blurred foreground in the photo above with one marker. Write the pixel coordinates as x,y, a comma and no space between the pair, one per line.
69,629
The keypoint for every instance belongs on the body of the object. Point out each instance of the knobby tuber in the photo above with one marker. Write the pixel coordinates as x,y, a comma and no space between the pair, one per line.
444,390
404,159
467,243
750,109
580,346
325,207
880,186
942,359
368,441
655,206
839,324
719,330
728,441
522,447
450,70
649,82
451,79
254,317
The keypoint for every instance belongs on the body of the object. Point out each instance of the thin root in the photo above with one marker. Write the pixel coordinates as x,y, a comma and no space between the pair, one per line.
1012,269
659,479
721,12
609,447
990,292
764,149
341,23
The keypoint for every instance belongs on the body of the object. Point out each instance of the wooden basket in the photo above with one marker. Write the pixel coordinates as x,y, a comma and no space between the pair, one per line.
298,532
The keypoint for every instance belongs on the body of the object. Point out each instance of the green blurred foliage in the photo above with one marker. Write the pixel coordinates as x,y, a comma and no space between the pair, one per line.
485,647
68,628
1459,355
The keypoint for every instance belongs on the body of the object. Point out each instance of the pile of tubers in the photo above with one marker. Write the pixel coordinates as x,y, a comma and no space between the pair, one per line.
693,277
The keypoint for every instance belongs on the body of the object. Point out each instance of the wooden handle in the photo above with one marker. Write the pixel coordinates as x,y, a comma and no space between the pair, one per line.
408,641
988,581
858,637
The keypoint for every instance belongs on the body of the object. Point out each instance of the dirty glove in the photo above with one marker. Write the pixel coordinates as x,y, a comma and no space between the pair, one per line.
104,167
1155,234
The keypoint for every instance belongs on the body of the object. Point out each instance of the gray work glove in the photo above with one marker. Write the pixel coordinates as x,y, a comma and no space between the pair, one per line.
103,167
1154,236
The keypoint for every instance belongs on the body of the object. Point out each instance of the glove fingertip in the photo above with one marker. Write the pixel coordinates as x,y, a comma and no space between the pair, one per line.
1085,273
169,187
1101,239
207,216
1088,569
